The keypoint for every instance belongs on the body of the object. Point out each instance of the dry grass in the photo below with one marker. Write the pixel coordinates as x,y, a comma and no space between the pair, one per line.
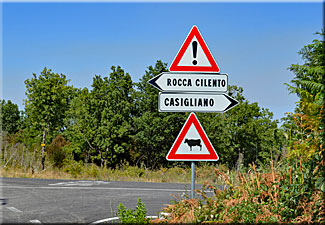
45,174
258,197
18,161
126,173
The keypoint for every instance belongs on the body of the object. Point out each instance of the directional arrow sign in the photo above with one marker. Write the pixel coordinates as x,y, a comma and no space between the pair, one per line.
190,82
195,102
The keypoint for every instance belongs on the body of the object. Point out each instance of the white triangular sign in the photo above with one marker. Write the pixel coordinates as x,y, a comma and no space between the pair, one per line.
192,135
187,59
192,143
194,55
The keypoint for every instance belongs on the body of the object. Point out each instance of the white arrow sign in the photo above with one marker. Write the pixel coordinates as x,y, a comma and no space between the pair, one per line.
195,102
190,82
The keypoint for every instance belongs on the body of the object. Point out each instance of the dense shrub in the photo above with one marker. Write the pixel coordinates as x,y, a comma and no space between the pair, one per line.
56,152
130,216
286,194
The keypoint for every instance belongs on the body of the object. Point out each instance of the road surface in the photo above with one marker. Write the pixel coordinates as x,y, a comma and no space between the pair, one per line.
71,201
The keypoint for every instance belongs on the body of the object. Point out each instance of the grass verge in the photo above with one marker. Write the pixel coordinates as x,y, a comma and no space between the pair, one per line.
79,171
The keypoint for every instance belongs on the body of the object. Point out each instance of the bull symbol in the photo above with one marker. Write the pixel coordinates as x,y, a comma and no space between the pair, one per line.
193,142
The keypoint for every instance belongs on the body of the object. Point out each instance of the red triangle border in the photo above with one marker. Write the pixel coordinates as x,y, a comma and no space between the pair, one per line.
192,119
213,68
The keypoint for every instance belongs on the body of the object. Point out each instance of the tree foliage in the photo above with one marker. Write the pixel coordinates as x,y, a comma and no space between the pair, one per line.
100,118
244,134
154,132
308,84
48,97
117,121
10,117
306,125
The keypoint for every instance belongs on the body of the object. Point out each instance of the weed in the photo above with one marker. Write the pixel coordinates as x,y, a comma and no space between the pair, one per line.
285,193
73,167
129,216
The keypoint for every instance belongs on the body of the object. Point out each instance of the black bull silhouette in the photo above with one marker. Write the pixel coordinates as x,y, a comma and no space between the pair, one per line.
193,142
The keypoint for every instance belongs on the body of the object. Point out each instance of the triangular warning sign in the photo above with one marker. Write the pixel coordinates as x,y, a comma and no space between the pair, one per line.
194,55
192,143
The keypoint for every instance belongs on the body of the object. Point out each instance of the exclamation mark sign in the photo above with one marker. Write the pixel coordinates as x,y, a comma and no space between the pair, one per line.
194,47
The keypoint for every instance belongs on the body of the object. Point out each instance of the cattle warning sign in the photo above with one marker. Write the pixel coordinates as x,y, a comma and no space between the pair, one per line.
192,143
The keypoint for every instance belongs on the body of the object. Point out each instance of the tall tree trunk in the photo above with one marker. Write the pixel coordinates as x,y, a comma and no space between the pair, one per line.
43,150
101,158
240,160
106,158
148,157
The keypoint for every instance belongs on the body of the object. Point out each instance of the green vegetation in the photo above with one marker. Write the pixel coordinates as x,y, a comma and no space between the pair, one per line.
129,216
79,150
48,97
286,194
116,123
19,162
114,132
9,117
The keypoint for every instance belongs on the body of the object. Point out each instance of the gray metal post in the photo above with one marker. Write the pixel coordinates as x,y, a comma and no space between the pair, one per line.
192,178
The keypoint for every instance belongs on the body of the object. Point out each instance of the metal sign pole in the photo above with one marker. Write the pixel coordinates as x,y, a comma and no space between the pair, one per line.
192,178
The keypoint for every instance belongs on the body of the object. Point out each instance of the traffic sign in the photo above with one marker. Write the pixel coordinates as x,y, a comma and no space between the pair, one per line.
195,102
190,82
194,55
192,143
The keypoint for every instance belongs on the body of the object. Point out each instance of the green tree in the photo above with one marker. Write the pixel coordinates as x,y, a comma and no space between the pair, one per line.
119,112
100,118
48,96
305,127
309,77
308,85
244,134
10,117
154,132
79,127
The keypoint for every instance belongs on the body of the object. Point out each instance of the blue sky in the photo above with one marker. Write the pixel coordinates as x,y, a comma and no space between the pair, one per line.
254,43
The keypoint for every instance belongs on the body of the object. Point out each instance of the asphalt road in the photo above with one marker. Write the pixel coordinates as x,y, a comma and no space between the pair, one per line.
71,201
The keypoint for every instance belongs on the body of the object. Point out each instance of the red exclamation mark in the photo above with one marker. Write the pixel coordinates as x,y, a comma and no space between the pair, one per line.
194,47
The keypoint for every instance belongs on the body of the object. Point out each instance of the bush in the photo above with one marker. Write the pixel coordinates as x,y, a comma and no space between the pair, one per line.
130,216
73,167
56,151
286,194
